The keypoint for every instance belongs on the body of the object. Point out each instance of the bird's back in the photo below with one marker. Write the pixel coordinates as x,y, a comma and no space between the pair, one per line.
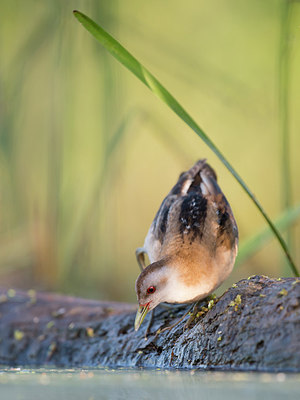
194,219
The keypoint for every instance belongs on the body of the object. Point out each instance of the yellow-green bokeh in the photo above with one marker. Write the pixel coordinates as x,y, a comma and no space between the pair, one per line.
76,200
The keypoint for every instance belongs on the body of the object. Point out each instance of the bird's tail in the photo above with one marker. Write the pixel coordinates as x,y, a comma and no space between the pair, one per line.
199,176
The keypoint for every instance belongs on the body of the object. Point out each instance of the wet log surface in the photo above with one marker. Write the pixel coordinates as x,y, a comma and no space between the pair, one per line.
255,325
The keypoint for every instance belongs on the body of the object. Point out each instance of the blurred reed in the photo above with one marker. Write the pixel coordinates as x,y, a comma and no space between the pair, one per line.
146,77
86,155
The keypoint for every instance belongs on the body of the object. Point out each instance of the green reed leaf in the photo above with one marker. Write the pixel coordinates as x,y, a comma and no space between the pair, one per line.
253,244
130,62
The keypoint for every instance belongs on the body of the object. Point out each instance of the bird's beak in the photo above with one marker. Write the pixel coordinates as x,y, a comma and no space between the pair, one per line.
140,315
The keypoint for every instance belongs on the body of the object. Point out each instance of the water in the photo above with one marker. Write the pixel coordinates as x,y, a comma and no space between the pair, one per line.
73,384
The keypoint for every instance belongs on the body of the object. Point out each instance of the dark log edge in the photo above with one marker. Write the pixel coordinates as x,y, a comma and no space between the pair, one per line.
254,326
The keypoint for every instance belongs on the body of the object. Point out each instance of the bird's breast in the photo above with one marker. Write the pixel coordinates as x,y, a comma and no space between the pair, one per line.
196,277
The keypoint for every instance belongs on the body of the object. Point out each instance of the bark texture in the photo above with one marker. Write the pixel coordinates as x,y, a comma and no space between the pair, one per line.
255,325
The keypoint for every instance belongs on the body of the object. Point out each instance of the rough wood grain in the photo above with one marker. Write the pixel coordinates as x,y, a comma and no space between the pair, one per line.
254,326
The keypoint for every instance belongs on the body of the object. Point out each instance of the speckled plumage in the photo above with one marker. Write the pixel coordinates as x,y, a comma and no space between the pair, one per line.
194,210
192,241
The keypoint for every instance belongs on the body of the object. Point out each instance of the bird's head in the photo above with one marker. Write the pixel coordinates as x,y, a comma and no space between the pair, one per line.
152,288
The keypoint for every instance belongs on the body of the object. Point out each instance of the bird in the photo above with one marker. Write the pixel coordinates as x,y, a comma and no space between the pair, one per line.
192,243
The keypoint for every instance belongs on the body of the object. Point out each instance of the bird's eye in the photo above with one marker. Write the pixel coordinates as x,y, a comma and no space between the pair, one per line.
151,289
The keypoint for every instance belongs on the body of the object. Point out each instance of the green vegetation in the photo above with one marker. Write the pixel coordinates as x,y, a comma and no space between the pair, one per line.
87,154
122,55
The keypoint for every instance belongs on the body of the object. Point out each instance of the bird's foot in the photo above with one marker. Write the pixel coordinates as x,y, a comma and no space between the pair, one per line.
199,311
150,322
195,312
168,328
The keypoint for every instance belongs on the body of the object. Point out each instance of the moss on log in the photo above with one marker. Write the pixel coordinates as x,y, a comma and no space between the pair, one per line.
255,325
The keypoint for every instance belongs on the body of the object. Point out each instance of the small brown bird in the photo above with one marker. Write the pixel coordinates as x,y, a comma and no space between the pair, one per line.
191,244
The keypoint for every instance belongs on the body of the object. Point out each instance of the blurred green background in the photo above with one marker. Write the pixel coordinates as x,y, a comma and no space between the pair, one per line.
87,153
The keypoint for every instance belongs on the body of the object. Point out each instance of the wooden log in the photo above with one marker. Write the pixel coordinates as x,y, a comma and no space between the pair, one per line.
255,325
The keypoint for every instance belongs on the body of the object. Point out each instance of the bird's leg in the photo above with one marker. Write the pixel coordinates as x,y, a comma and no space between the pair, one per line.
140,257
168,328
196,313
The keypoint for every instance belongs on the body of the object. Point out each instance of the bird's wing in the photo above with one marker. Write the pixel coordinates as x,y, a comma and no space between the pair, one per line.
195,210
